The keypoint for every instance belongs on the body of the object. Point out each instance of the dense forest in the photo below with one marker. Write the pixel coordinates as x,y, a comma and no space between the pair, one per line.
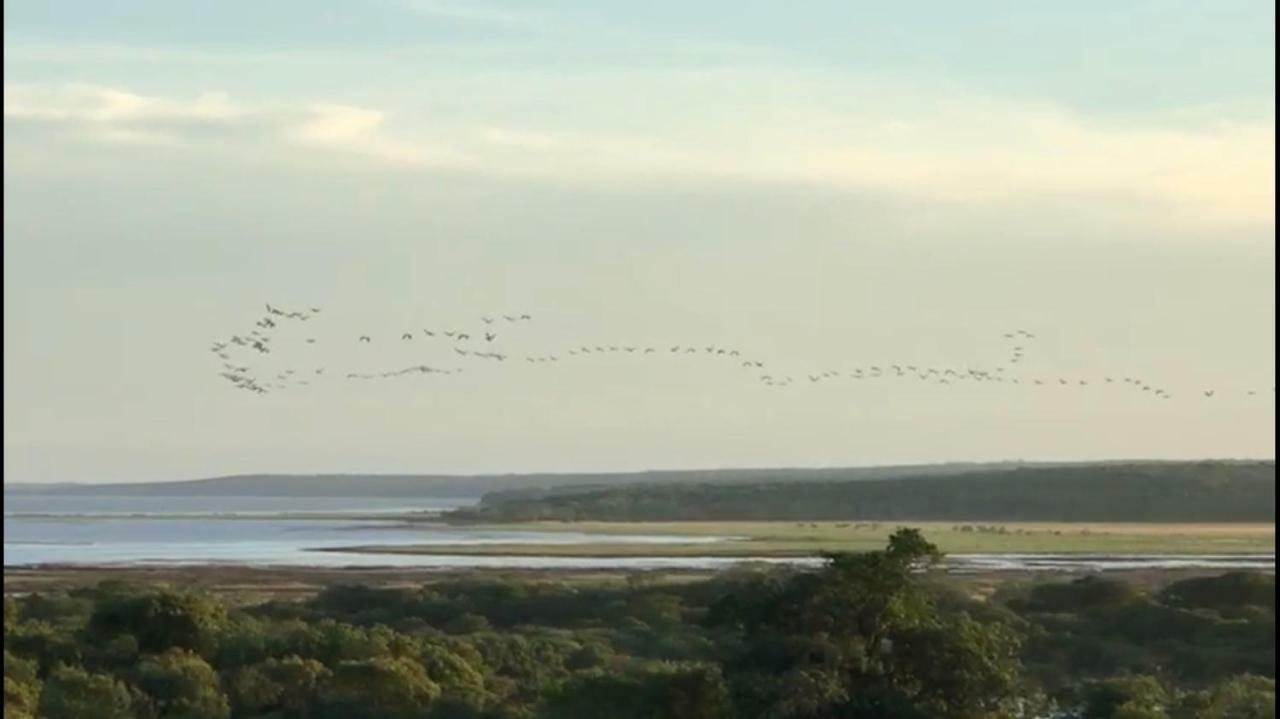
868,636
444,485
1157,492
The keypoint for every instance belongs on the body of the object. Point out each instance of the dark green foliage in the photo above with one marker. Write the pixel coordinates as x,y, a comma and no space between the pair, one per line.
379,688
1242,697
21,687
73,693
158,621
1161,492
1138,697
697,693
871,635
180,685
1236,590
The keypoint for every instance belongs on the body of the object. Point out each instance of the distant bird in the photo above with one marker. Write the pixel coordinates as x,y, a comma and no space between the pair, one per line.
489,336
273,311
487,320
526,317
365,338
1208,393
429,333
311,340
315,310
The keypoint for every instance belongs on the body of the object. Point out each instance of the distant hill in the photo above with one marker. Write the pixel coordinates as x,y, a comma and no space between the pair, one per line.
1116,492
439,485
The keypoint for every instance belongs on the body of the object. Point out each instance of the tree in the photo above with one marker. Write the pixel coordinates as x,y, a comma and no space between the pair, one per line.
181,685
667,693
10,615
380,688
1243,697
73,693
21,687
290,685
957,666
1137,697
159,621
862,638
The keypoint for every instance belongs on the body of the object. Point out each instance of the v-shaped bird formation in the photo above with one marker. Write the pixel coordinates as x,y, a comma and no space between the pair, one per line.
451,351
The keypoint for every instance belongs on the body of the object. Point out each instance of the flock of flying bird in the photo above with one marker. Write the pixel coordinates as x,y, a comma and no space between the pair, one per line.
479,346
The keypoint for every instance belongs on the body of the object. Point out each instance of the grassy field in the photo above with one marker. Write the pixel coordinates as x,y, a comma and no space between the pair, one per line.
785,539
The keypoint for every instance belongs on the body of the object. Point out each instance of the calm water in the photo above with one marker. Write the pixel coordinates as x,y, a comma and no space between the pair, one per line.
18,505
278,531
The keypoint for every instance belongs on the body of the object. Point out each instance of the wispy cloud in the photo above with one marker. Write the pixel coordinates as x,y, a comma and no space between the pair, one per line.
358,130
958,148
90,103
475,12
118,116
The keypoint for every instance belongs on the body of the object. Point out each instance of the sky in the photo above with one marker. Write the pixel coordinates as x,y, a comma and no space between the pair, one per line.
823,186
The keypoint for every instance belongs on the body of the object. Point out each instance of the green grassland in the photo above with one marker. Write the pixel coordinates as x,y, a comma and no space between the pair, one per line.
789,539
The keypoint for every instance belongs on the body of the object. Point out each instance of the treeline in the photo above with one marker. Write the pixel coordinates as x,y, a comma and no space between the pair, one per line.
442,485
869,636
1182,492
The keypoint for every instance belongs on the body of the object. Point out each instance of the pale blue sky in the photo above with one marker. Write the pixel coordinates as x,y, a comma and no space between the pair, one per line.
823,184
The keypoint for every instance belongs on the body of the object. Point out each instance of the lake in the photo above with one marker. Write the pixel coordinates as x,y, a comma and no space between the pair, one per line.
288,531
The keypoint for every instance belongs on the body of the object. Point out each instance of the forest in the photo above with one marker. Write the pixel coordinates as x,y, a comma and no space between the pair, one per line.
1155,492
873,635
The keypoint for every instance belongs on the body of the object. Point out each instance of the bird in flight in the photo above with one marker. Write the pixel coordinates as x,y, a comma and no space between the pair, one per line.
406,336
489,336
365,338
